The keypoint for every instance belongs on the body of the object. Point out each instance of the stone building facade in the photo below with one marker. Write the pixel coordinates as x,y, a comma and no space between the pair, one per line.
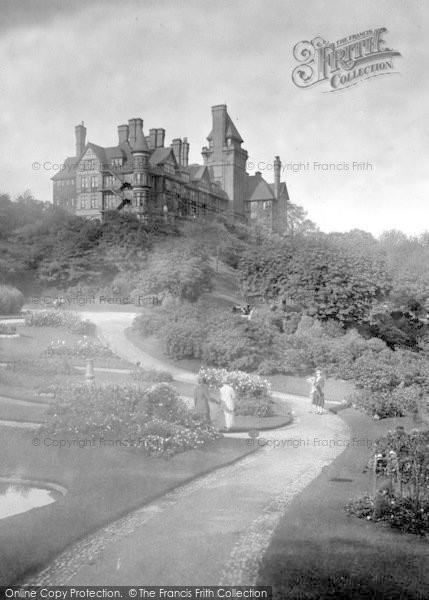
142,175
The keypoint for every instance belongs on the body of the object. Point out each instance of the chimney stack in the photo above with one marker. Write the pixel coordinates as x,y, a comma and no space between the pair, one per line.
219,126
152,139
277,170
123,133
177,149
160,138
80,132
185,153
132,130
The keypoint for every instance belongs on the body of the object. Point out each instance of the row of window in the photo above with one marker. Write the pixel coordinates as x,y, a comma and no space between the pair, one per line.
64,182
88,201
92,164
86,182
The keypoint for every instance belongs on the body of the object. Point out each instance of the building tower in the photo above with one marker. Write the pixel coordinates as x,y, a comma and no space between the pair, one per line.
226,159
141,184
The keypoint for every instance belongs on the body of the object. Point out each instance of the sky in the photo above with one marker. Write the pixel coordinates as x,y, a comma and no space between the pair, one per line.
168,61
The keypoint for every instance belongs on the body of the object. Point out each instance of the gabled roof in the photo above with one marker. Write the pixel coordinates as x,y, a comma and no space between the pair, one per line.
99,152
283,189
258,190
161,155
69,170
196,172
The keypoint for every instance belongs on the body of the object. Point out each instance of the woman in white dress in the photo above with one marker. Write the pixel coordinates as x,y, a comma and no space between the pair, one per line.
227,402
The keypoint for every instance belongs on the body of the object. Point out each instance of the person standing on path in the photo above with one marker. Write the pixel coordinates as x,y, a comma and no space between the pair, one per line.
202,399
227,402
317,393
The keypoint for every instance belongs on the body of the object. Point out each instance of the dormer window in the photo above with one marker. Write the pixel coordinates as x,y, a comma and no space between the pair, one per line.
116,162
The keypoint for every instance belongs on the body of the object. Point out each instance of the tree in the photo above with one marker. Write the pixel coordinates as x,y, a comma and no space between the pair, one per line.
328,282
179,268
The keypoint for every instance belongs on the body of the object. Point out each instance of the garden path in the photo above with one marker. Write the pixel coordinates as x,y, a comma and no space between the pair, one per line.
214,530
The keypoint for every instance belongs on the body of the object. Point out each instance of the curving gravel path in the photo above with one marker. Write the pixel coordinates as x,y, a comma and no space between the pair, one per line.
214,530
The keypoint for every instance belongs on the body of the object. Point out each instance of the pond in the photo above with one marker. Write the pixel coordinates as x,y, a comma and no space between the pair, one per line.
16,498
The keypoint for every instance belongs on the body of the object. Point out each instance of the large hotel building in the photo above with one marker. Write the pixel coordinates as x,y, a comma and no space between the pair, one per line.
142,175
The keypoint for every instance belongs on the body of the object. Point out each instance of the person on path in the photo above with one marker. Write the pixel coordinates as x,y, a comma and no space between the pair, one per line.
202,399
227,402
317,393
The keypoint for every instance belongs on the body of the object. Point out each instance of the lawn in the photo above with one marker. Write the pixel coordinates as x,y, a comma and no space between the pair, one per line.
318,551
34,340
103,484
23,383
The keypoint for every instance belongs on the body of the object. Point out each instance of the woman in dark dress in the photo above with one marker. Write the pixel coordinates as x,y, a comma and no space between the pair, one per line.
318,391
202,399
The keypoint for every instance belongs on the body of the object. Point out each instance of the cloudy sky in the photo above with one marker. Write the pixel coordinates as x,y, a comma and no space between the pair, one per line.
103,62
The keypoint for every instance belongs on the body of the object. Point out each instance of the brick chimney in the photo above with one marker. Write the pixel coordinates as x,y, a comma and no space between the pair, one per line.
277,171
123,133
160,138
177,149
80,132
219,126
151,140
132,130
185,153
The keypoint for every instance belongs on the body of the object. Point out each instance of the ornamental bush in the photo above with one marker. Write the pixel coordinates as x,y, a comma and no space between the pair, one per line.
379,403
58,318
11,300
253,392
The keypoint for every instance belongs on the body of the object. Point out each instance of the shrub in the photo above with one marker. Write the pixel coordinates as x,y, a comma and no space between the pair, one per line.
260,406
381,404
92,411
253,392
84,348
404,458
244,383
57,318
11,300
40,366
155,420
161,401
150,375
6,329
148,324
183,340
238,343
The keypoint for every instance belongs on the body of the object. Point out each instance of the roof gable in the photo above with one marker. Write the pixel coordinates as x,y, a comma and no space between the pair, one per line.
258,190
162,155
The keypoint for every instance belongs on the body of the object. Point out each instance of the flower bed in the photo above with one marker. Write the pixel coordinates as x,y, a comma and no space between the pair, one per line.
403,501
8,330
84,348
153,420
253,391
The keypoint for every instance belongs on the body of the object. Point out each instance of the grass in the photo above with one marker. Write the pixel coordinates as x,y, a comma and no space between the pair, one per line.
103,484
318,551
30,345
